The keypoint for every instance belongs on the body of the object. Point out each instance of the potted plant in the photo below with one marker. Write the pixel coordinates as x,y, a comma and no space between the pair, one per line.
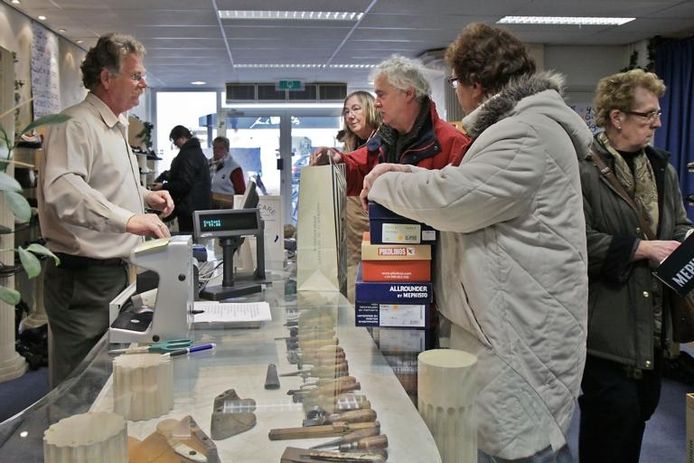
11,191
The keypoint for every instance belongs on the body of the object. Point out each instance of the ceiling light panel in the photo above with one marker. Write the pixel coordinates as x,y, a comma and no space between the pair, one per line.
261,66
565,20
303,66
291,15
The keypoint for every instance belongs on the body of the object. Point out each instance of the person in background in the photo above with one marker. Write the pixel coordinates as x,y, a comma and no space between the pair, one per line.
189,178
91,203
360,122
629,327
511,270
227,174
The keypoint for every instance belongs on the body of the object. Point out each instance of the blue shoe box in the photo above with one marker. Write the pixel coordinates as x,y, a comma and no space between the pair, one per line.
392,305
387,227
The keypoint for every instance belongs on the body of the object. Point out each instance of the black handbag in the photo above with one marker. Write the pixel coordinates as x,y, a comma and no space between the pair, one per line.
681,307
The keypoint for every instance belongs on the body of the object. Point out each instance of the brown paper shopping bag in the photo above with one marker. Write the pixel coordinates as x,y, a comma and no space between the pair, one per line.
321,256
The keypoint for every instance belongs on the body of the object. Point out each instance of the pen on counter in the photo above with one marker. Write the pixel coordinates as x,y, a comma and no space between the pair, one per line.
191,349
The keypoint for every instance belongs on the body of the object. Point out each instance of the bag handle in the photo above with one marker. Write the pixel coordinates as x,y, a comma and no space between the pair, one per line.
611,179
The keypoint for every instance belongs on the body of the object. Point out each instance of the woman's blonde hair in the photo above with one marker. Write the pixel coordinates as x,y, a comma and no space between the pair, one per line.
617,92
372,118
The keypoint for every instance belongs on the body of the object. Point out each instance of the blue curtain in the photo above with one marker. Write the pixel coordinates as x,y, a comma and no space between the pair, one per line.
674,63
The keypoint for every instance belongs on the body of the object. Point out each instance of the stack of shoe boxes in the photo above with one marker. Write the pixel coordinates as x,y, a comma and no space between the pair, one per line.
393,287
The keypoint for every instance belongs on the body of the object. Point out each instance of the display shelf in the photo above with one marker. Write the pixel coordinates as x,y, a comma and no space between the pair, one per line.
240,362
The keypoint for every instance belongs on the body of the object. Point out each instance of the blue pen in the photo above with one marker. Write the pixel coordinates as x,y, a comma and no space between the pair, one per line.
191,349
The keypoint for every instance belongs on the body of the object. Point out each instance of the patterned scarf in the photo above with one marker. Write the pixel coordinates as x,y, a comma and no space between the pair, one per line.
640,184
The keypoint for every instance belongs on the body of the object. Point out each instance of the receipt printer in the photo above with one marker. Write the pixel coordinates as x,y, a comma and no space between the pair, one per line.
166,313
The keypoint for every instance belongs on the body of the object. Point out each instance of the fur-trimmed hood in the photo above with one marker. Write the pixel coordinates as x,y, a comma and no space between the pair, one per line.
501,105
540,93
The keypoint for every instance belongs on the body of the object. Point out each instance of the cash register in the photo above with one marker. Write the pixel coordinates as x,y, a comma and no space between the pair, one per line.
231,226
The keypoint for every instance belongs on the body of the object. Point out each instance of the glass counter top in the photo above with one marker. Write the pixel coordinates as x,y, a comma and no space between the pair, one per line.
240,362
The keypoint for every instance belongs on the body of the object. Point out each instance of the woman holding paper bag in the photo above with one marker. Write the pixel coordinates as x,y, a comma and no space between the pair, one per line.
360,121
628,324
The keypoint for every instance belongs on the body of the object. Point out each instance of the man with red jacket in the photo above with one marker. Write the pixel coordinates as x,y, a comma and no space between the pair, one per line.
411,133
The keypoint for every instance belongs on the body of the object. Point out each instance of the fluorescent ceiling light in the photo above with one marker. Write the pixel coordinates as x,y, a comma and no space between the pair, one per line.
280,105
42,17
16,2
353,66
306,65
291,15
198,82
565,20
295,65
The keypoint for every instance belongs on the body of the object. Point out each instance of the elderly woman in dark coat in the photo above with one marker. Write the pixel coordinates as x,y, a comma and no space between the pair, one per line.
628,314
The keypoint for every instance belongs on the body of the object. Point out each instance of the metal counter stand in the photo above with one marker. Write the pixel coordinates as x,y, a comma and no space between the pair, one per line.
239,362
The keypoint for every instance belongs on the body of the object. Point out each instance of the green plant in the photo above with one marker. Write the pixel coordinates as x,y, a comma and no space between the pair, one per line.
12,192
146,134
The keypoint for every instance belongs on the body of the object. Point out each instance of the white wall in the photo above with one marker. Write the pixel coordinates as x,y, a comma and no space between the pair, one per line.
583,66
16,36
72,90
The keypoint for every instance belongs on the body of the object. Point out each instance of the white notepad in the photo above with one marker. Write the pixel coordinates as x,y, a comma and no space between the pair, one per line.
231,312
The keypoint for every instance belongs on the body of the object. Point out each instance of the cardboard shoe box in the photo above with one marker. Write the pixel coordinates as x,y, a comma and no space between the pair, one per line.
392,292
392,304
387,227
386,315
395,262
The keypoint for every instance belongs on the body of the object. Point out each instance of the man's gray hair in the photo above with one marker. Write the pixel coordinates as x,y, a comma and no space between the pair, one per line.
108,53
403,73
223,140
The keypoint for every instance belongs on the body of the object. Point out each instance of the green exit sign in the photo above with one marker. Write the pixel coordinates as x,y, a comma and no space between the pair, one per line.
291,85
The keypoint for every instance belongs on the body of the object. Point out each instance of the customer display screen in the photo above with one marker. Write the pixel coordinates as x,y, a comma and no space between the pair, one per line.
230,222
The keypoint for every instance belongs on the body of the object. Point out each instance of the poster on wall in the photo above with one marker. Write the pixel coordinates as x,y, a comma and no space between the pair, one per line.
45,73
587,113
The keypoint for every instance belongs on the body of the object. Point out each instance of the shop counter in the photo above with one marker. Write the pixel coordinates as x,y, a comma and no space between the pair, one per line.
239,362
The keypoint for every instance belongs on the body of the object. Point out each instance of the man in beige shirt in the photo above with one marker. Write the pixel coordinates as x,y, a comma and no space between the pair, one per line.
91,202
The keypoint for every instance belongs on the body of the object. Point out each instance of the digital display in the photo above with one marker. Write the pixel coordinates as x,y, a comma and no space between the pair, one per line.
226,222
211,224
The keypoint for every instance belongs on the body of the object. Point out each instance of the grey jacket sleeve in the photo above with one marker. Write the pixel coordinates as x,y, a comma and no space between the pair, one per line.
495,184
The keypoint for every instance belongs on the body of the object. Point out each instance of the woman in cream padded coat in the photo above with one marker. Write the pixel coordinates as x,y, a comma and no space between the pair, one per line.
512,270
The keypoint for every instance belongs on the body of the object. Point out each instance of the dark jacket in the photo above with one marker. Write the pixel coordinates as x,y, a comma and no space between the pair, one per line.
622,293
435,145
189,183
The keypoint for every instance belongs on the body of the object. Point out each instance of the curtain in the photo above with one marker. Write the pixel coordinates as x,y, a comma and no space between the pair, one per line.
674,63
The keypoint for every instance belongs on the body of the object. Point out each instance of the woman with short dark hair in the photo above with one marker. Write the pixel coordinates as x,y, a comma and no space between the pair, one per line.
488,57
511,278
